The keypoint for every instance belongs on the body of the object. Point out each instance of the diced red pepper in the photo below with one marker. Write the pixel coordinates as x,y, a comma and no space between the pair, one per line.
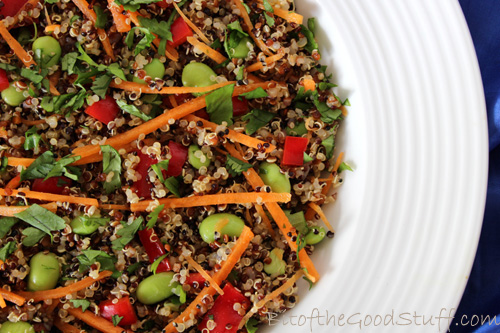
11,7
240,107
143,187
195,277
163,4
122,308
293,154
104,110
154,248
223,313
54,185
4,80
179,156
180,32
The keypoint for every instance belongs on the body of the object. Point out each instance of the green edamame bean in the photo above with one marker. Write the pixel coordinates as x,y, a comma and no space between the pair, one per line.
17,327
271,175
277,265
44,272
85,225
13,97
315,235
231,224
241,50
50,50
299,129
155,69
156,288
197,158
196,74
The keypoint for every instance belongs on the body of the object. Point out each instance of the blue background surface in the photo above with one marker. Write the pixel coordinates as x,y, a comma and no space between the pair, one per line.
482,295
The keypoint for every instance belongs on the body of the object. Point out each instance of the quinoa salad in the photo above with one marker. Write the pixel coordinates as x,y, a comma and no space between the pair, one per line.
163,164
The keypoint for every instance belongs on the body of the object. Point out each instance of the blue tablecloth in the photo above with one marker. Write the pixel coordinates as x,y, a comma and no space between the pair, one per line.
482,295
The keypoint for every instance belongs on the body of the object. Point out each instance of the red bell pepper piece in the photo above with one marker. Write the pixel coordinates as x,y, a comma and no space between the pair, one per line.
104,110
195,277
180,32
225,317
240,107
54,185
4,80
154,248
122,308
179,156
11,7
143,187
293,154
163,4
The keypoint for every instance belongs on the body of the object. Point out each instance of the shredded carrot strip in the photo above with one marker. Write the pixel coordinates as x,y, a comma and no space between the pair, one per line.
103,37
249,28
3,133
269,297
11,210
309,84
244,139
52,28
253,79
12,297
95,321
49,197
154,124
318,210
212,200
16,47
1,264
38,296
14,182
2,302
145,89
269,60
338,161
114,207
265,219
53,305
291,17
279,217
220,225
122,22
16,161
65,327
33,122
172,100
134,17
210,52
344,111
191,24
236,253
205,275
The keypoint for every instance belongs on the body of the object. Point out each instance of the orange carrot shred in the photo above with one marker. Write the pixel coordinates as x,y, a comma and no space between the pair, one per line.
49,196
192,25
12,210
52,27
291,17
319,211
172,100
12,297
210,52
269,60
265,219
212,200
309,84
122,22
236,253
114,207
14,182
16,161
65,327
144,88
16,47
95,321
204,273
2,302
38,296
244,139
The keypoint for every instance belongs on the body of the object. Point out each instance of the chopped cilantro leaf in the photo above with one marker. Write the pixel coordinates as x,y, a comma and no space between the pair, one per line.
156,263
134,5
251,325
116,319
172,184
311,42
344,166
162,28
33,236
268,7
68,62
144,43
102,17
42,219
46,166
111,163
220,105
127,233
133,110
89,257
153,216
269,19
7,250
83,303
32,139
256,119
329,144
101,84
235,167
6,223
158,167
256,93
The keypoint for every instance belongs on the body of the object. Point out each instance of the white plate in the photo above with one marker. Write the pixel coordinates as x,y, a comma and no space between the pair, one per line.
408,219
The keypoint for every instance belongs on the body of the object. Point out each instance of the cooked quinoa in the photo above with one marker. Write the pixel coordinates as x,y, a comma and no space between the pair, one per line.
42,123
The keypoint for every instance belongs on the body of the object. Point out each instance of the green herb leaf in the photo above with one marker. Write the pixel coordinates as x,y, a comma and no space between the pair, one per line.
6,223
4,163
256,120
80,303
162,28
116,319
153,216
7,250
268,7
33,236
309,281
132,268
68,62
32,139
33,75
329,144
241,72
101,84
311,24
144,43
235,167
42,219
179,291
156,263
158,167
113,69
344,166
134,5
60,168
251,325
111,163
127,234
298,221
220,105
89,257
326,85
311,42
116,70
72,101
256,93
234,35
172,184
269,19
132,109
73,18
8,67
102,17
